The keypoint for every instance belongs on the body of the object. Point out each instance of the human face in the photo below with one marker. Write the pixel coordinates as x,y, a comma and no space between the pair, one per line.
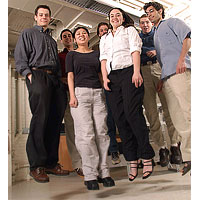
116,18
103,29
43,17
67,39
81,37
154,15
145,25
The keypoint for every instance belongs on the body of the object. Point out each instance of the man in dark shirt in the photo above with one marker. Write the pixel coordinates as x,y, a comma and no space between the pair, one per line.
151,71
36,58
67,41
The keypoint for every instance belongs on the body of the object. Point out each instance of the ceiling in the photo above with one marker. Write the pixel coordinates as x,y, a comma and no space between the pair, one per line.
72,13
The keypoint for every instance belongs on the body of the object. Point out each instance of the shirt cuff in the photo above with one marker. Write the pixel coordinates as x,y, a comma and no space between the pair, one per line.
25,72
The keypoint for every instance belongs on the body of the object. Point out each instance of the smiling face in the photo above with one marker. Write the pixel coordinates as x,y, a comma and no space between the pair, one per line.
145,25
43,17
103,29
81,37
154,15
67,39
116,18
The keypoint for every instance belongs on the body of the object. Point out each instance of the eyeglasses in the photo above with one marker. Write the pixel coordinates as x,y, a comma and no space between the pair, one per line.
150,11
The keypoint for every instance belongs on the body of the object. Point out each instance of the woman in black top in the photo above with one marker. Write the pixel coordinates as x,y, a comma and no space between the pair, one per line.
88,111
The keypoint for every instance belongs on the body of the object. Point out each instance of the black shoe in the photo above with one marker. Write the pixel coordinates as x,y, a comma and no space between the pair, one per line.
176,156
107,182
164,157
92,185
115,158
186,168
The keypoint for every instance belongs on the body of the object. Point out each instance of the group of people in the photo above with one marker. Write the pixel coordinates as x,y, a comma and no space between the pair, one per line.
105,89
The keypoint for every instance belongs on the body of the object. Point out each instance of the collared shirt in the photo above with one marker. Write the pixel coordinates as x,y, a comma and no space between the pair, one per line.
36,48
117,49
147,45
62,56
168,41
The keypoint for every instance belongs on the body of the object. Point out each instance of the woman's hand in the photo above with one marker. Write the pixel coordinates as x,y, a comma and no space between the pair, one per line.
105,84
137,79
73,102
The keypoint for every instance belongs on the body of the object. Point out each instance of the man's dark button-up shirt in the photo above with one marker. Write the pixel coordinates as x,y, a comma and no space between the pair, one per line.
36,48
148,45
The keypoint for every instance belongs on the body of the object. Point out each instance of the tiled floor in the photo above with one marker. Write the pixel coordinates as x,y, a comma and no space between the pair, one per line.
162,185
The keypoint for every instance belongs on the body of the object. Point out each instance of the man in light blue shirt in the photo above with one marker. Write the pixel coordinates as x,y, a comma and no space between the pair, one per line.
172,42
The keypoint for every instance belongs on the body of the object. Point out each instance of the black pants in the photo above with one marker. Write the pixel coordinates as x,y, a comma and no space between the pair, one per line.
126,101
48,100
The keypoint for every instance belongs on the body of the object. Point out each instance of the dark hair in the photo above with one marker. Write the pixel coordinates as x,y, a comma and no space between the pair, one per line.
101,24
157,6
64,30
143,16
127,19
42,6
76,29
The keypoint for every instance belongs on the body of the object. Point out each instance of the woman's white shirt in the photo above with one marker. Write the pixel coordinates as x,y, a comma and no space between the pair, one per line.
117,49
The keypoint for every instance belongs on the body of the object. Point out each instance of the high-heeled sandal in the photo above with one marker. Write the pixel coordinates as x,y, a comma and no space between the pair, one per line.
186,168
147,172
129,171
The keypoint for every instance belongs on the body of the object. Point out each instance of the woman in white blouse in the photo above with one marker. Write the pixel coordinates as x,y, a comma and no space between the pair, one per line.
120,64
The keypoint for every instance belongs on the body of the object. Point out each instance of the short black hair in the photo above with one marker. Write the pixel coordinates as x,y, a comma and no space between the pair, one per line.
128,21
76,29
64,30
157,6
101,24
42,6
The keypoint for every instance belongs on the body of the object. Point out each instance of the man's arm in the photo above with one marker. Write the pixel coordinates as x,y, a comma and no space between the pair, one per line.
21,54
181,66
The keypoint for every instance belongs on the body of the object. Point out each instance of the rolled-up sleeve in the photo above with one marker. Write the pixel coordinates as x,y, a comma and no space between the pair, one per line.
103,54
21,54
179,27
135,41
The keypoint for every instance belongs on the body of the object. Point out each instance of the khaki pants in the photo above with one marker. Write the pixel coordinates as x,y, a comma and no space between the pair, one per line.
177,90
91,136
70,139
151,74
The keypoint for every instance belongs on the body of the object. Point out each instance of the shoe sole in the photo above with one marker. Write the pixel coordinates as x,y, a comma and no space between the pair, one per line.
46,181
48,172
97,188
116,162
164,164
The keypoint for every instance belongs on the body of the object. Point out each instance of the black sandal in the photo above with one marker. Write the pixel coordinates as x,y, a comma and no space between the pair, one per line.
134,176
147,172
186,168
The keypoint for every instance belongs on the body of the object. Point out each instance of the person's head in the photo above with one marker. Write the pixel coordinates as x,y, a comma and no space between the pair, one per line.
145,24
155,11
102,28
81,36
42,15
66,38
118,17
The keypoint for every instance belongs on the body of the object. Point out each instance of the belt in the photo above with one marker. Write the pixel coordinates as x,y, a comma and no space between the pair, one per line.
48,71
149,63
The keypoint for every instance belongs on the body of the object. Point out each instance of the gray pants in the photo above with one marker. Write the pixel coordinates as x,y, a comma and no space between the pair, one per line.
151,74
70,139
91,136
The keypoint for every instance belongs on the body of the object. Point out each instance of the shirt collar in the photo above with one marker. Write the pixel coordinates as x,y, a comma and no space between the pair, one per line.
147,34
159,24
41,29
